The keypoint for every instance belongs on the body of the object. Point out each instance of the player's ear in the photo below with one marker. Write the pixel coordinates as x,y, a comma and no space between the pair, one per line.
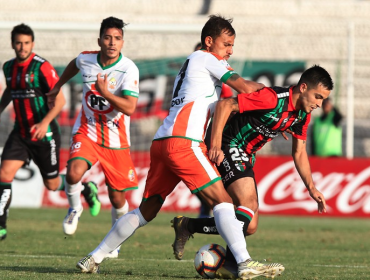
99,42
303,87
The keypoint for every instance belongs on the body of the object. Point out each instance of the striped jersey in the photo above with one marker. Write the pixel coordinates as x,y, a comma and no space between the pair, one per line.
98,119
263,114
28,82
196,90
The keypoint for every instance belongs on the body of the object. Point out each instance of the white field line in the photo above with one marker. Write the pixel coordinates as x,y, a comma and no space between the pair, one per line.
71,257
344,266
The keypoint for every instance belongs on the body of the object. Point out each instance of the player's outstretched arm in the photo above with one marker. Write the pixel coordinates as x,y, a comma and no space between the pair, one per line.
125,104
222,112
68,73
302,165
243,86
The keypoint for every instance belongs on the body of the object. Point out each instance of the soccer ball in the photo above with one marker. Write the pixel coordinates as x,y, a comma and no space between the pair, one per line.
209,259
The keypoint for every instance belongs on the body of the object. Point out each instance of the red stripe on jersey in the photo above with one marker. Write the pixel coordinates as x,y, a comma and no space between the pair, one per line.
83,125
19,117
23,76
182,119
284,115
122,134
253,143
99,129
14,75
29,113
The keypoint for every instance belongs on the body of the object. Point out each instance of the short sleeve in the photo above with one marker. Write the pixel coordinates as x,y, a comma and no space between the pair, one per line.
263,99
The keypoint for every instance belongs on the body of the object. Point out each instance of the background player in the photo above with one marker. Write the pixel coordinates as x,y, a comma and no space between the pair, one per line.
178,151
101,132
260,118
36,133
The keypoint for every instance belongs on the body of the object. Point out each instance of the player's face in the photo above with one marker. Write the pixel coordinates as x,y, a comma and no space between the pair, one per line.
312,98
22,46
222,45
111,43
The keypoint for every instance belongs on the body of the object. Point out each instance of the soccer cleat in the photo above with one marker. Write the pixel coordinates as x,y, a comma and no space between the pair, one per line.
251,269
228,271
3,233
182,235
90,194
71,221
88,265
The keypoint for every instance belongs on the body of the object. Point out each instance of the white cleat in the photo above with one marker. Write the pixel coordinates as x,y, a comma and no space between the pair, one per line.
71,221
251,269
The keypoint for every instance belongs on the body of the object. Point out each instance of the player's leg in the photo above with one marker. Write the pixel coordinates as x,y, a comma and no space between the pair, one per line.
160,182
15,155
8,169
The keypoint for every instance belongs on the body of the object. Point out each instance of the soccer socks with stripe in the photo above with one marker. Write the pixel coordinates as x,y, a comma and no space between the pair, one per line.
245,216
231,230
73,193
5,199
61,186
120,232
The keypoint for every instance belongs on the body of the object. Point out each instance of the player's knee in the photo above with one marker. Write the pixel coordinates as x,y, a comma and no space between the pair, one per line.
74,176
251,229
52,184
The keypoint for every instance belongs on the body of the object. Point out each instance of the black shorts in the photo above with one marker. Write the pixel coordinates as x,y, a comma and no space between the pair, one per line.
45,154
235,165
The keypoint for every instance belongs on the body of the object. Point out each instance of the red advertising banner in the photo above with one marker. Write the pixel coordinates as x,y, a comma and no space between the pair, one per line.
344,183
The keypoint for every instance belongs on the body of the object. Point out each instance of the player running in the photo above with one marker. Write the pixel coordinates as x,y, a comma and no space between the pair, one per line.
101,132
36,133
260,117
178,151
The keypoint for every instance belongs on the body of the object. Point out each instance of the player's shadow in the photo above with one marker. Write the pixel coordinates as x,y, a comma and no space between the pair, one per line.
37,269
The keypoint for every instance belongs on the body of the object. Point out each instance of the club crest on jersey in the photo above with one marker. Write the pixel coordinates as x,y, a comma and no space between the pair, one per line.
240,166
131,175
112,83
97,103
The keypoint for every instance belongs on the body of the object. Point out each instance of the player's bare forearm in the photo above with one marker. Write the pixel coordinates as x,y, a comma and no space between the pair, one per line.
69,72
243,86
220,117
302,165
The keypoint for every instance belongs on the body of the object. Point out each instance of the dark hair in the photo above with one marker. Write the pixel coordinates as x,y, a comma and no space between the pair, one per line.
316,75
198,46
111,22
22,29
215,26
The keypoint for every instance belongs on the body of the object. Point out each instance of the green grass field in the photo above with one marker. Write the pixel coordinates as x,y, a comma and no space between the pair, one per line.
309,248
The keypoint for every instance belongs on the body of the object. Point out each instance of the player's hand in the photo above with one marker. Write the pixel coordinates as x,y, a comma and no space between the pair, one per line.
51,96
39,130
216,155
320,199
288,131
101,83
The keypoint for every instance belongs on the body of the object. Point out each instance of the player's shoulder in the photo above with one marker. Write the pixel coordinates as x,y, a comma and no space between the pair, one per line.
39,58
9,62
279,91
126,63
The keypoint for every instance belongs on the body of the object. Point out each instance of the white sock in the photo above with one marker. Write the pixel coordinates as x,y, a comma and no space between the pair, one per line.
231,230
120,232
73,193
118,213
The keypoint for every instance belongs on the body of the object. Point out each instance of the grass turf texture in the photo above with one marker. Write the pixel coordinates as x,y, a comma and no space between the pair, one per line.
309,248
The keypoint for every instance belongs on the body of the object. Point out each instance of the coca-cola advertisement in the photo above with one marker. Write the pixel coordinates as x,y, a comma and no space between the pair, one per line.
344,183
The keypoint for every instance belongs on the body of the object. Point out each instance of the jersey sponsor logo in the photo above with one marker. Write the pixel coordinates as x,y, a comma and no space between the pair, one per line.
177,101
53,153
23,93
109,123
98,103
274,118
266,132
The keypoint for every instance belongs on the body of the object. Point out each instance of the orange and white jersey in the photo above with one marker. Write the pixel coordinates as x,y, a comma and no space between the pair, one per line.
98,119
196,90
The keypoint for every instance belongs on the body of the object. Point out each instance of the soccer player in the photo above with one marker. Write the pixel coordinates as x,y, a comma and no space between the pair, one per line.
178,151
101,131
260,117
36,133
